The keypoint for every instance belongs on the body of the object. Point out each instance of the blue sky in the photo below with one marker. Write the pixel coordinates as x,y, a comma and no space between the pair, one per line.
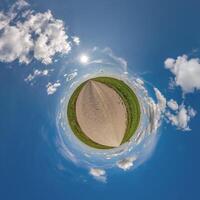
143,33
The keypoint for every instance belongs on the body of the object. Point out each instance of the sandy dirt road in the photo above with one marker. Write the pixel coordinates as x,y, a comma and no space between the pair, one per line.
101,114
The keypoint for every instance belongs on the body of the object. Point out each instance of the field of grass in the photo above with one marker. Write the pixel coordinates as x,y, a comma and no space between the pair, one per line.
130,101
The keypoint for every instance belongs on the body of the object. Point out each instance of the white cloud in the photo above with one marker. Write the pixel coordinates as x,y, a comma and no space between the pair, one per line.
182,117
76,40
52,87
38,35
178,116
140,81
18,5
120,61
21,48
126,163
191,112
51,38
98,174
186,72
71,76
35,74
15,10
161,100
4,20
155,111
172,104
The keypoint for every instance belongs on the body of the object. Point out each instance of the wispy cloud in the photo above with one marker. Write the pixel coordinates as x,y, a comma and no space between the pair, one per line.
36,73
161,100
119,60
71,76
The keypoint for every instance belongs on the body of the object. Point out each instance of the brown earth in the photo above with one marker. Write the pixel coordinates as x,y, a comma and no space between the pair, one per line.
101,114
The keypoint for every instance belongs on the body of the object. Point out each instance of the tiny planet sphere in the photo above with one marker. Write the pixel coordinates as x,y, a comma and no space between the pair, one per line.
103,112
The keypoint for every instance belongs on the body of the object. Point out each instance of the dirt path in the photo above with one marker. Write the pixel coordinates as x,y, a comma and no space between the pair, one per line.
101,114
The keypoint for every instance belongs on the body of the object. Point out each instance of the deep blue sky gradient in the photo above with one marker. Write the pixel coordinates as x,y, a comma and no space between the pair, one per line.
145,33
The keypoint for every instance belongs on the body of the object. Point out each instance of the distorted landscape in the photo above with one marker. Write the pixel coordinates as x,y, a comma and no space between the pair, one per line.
99,99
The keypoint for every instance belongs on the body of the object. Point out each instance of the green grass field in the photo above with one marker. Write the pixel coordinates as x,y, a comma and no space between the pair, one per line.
130,101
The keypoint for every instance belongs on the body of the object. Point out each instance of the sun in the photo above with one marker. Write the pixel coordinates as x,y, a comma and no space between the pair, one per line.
84,59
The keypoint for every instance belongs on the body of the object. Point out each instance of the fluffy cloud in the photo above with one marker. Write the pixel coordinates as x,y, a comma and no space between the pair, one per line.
177,115
76,40
186,72
98,174
21,48
182,117
126,163
4,20
52,87
172,104
35,35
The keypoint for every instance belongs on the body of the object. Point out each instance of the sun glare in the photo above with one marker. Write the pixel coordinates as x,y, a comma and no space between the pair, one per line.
84,59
